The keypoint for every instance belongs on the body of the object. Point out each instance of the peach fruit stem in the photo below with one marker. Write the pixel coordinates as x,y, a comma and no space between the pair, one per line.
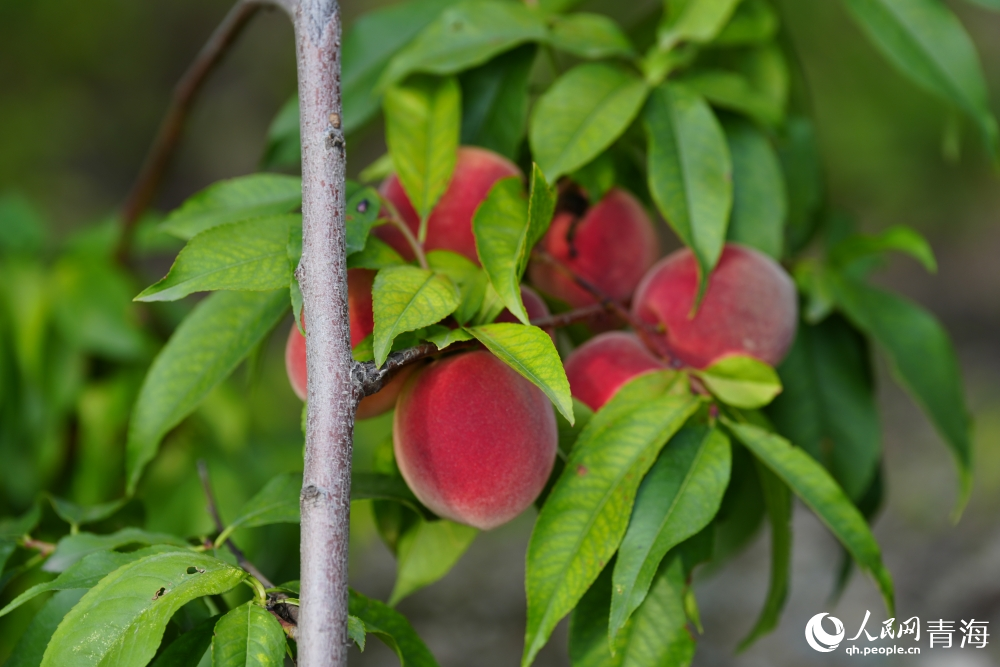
397,221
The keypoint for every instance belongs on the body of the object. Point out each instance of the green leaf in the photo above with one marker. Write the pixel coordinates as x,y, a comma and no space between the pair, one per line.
760,202
383,486
120,621
829,399
405,298
690,173
85,573
753,22
470,280
251,255
800,161
531,352
694,21
188,649
504,238
927,43
31,646
655,635
900,238
816,488
248,636
922,359
466,35
284,138
361,213
679,496
734,92
585,516
377,254
422,122
741,381
79,515
495,102
591,36
582,114
234,200
778,501
449,337
219,333
370,44
426,552
72,548
277,502
392,628
15,528
356,631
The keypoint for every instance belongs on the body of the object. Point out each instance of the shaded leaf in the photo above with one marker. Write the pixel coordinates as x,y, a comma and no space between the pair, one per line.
778,501
284,138
760,202
694,21
360,215
582,114
121,620
465,35
208,345
250,255
495,102
753,22
690,173
426,552
922,359
405,298
234,200
190,647
800,162
900,238
377,254
531,352
816,488
392,628
734,92
927,42
356,631
585,516
678,497
248,636
79,515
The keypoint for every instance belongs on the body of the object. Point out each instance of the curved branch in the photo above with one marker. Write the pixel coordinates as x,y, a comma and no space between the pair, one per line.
168,136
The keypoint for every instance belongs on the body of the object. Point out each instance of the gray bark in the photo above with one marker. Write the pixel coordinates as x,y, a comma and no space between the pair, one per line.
326,486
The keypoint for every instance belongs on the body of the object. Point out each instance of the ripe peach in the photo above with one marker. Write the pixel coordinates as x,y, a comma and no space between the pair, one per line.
474,440
750,307
598,368
611,245
450,224
359,305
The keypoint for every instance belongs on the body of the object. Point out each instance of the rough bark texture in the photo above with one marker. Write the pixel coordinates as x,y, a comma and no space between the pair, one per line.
326,487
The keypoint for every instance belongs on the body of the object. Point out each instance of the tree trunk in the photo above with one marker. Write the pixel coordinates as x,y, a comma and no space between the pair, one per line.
326,487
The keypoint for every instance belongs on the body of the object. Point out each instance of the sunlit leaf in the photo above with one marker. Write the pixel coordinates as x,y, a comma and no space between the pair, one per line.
233,200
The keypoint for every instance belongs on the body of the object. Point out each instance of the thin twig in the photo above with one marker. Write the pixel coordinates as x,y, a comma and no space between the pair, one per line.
168,136
213,511
44,548
397,221
570,317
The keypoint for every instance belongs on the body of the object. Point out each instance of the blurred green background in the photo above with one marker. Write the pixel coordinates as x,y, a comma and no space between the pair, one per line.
82,89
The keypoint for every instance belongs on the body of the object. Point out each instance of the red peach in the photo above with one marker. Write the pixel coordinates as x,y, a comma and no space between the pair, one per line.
598,368
475,441
359,305
449,226
750,307
611,246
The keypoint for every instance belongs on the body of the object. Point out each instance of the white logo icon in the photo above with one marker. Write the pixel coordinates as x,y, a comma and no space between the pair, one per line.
819,639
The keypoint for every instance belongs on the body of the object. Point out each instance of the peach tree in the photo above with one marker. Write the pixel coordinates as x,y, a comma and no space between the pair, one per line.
497,278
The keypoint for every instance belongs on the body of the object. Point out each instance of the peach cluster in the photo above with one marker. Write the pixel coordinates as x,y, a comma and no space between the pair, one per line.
475,441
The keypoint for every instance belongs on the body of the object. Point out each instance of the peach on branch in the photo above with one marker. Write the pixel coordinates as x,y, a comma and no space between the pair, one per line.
610,245
474,440
449,226
750,307
598,368
359,305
